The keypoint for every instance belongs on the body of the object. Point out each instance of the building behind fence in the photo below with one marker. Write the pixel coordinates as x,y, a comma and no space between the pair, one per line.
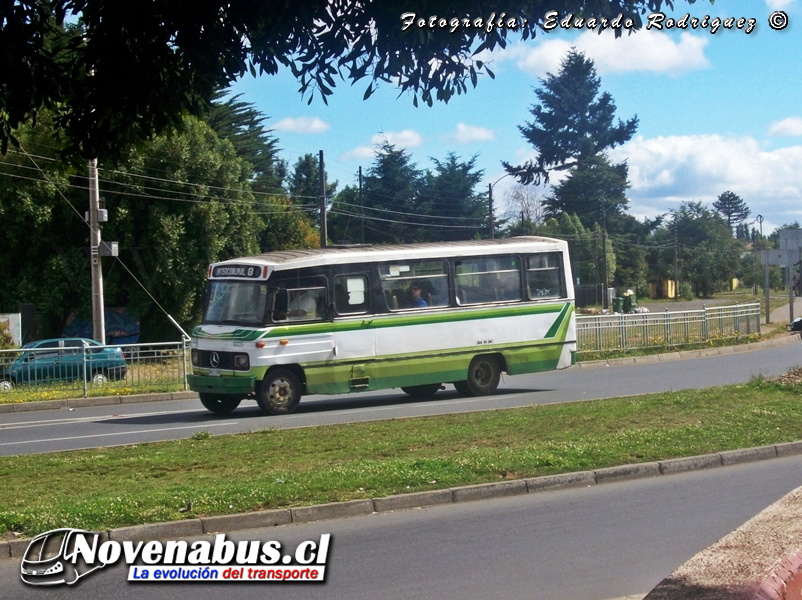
605,333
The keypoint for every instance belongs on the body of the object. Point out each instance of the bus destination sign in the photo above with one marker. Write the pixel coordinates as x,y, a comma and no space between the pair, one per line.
248,271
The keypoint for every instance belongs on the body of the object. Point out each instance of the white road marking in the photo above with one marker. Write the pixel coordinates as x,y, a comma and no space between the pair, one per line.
118,433
71,420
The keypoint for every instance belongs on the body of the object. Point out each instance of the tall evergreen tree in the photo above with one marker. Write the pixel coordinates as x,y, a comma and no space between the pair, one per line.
448,196
390,197
594,191
572,122
733,207
401,203
303,184
242,124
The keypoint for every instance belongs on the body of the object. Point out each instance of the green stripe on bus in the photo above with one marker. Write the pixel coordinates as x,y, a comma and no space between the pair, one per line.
390,320
406,320
413,369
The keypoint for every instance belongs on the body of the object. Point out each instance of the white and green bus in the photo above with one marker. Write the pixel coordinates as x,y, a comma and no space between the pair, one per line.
285,324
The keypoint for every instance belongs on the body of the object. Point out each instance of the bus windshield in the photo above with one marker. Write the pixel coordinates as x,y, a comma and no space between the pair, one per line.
235,303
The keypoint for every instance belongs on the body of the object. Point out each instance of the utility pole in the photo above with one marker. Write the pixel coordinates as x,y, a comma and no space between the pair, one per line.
361,209
765,268
606,303
676,261
596,266
98,317
790,286
324,234
490,210
606,300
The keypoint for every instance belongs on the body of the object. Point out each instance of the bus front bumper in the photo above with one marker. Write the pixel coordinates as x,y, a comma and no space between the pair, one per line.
240,386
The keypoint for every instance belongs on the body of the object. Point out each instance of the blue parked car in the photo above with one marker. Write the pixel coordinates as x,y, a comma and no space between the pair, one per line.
63,360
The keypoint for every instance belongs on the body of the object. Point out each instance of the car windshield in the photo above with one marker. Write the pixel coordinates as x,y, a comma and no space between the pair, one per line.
235,303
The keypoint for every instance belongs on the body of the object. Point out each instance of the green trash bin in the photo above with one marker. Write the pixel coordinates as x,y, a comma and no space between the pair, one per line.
630,303
618,304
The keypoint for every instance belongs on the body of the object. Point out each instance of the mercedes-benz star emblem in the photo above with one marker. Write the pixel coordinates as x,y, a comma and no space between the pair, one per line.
214,360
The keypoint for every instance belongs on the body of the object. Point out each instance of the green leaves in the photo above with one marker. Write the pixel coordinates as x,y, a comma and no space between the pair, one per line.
154,61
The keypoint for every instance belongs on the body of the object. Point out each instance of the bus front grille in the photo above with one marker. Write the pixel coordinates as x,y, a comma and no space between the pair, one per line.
212,359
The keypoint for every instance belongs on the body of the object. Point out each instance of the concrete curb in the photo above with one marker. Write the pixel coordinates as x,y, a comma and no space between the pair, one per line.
416,500
784,580
96,401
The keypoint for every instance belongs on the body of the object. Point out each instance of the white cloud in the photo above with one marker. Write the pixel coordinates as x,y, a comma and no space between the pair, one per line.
405,139
644,51
302,125
359,153
666,171
790,127
400,139
779,4
470,133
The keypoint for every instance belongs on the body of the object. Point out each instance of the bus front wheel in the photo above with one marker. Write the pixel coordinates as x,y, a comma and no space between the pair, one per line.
279,393
219,404
484,374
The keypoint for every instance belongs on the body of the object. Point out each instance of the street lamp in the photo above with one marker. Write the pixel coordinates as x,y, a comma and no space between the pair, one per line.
490,225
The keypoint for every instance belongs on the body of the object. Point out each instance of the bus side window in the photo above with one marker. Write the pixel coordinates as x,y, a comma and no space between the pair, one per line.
429,277
351,294
544,278
280,303
483,280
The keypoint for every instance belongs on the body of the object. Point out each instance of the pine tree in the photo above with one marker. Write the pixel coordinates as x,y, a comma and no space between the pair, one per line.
572,122
594,191
303,184
732,206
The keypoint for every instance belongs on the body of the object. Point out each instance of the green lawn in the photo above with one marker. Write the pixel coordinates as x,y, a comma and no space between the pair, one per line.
99,489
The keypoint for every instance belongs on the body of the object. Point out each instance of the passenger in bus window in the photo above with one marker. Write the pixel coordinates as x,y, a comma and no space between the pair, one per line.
416,300
302,306
280,305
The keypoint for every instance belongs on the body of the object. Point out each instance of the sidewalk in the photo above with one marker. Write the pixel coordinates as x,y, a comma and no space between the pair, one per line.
782,313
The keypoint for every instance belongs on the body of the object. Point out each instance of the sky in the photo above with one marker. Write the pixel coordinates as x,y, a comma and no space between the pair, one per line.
717,111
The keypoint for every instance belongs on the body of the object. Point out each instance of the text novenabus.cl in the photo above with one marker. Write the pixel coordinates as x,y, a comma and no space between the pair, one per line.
65,555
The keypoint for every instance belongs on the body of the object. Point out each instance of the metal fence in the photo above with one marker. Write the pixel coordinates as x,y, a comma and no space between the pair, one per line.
71,368
604,333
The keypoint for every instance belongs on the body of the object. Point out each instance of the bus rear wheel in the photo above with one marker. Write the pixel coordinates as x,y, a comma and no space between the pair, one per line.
279,393
484,374
422,391
219,404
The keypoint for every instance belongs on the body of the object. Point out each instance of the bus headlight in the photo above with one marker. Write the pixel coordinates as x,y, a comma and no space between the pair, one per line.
195,358
242,362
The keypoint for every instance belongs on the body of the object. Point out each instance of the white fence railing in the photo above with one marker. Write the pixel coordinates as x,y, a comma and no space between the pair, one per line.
604,333
71,368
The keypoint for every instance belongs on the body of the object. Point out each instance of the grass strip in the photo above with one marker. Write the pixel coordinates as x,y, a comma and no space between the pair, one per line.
114,487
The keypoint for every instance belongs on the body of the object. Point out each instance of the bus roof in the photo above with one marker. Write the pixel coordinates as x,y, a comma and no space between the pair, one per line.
293,259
